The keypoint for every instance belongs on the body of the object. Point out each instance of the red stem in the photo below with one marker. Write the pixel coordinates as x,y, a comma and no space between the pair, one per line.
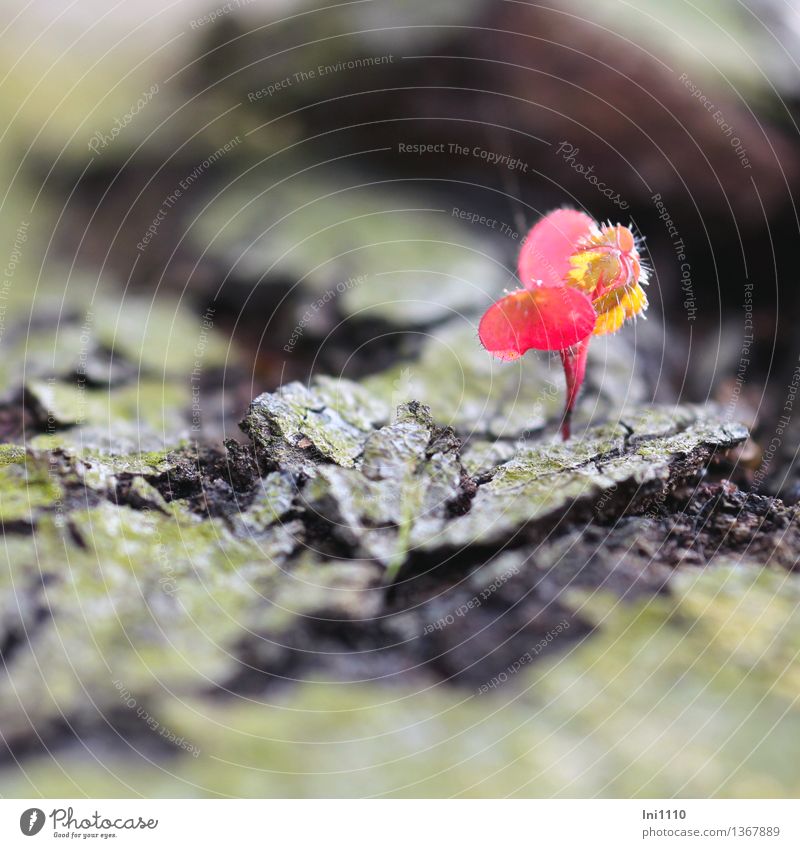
574,361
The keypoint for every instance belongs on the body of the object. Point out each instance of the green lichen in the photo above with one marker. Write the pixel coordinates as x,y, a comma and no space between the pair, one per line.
589,723
148,597
274,499
334,416
398,493
480,396
178,588
27,487
11,454
160,337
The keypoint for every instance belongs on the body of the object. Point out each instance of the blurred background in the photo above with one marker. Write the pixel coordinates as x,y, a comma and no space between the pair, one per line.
205,200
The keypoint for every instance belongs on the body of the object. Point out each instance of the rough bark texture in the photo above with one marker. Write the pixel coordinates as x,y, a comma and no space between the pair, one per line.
147,593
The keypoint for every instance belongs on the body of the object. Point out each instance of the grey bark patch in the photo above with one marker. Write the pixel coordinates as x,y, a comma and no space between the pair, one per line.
329,420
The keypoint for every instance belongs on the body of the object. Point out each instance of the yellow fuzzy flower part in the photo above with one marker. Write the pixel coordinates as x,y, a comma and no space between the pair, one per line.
615,307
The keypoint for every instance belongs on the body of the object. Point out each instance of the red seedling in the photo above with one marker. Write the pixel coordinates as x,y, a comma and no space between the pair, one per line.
581,279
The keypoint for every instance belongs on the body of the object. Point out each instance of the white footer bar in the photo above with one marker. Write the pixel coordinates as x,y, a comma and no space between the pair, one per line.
402,824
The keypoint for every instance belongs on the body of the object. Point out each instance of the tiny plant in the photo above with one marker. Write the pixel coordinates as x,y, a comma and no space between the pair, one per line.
581,279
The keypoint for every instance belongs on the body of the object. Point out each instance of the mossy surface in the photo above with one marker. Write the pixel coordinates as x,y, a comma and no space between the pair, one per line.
28,485
355,592
592,722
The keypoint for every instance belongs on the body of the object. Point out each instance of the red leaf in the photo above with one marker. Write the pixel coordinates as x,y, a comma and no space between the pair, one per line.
543,319
544,259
